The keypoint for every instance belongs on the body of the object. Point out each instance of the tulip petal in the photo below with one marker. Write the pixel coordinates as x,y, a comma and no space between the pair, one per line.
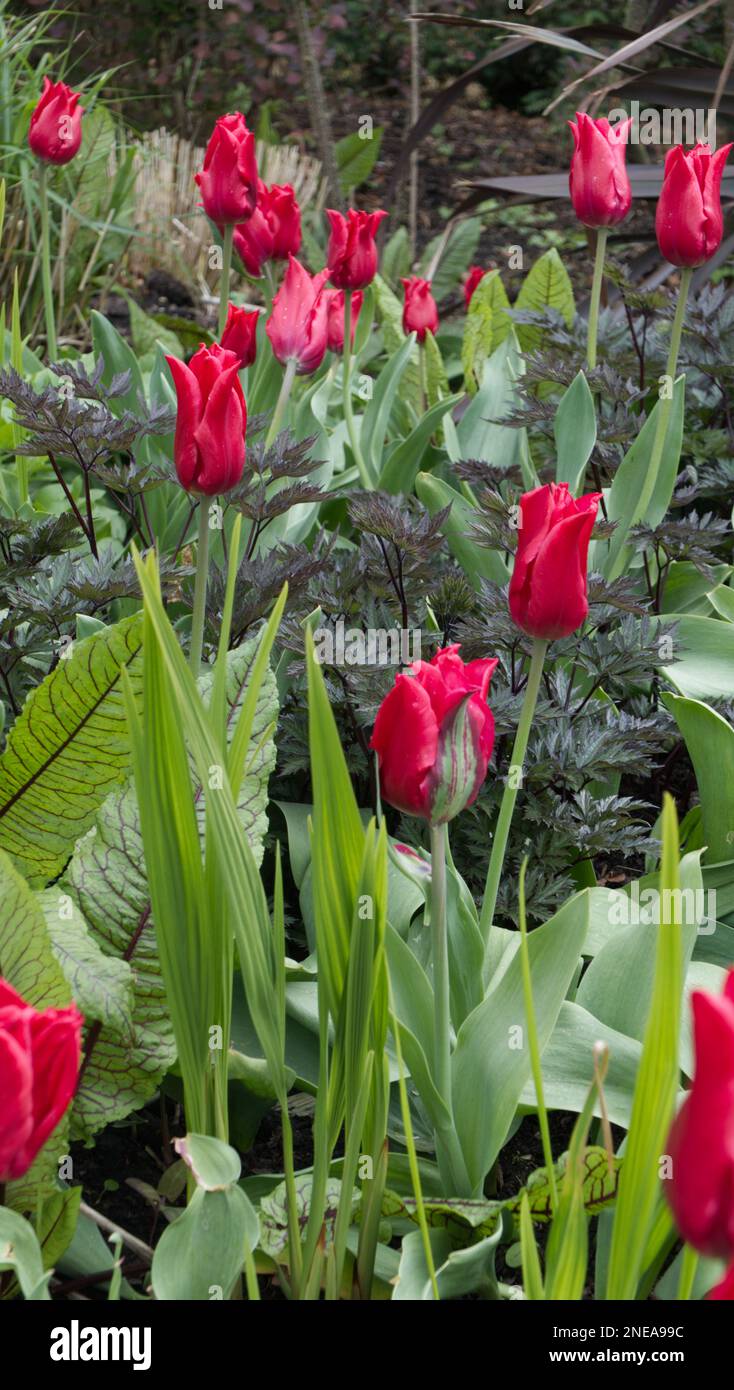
700,1186
405,737
55,1042
220,435
712,199
481,671
9,996
16,1106
713,1027
558,604
190,408
253,242
536,510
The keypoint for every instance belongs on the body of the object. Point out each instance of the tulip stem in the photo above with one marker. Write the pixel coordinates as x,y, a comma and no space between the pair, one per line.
202,569
48,294
224,277
663,414
593,328
440,951
282,401
347,374
514,780
534,1049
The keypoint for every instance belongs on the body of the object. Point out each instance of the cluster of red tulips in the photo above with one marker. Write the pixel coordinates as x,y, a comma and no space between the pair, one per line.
416,730
688,219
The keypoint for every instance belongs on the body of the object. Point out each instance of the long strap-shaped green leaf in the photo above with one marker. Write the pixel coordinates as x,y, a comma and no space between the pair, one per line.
240,877
656,1088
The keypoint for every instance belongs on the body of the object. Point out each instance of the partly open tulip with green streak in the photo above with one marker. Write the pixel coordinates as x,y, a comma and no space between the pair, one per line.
434,734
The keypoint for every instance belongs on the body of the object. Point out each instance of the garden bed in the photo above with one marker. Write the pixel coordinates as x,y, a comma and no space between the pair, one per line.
367,671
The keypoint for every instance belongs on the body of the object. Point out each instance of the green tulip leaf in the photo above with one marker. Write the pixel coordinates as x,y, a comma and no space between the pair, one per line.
709,739
199,1257
477,562
574,428
701,656
623,500
107,883
21,1253
491,1062
214,1164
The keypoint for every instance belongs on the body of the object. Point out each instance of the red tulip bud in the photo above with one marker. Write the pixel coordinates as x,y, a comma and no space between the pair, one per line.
600,188
228,181
209,446
434,734
240,334
548,586
688,220
352,251
55,131
335,318
39,1064
419,310
413,865
284,215
297,326
700,1188
273,233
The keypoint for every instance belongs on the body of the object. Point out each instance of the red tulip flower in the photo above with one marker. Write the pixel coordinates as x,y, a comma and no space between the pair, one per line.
335,318
228,181
284,215
297,325
55,131
473,276
209,445
548,587
700,1189
688,220
419,310
352,250
434,734
273,233
599,184
39,1064
240,334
